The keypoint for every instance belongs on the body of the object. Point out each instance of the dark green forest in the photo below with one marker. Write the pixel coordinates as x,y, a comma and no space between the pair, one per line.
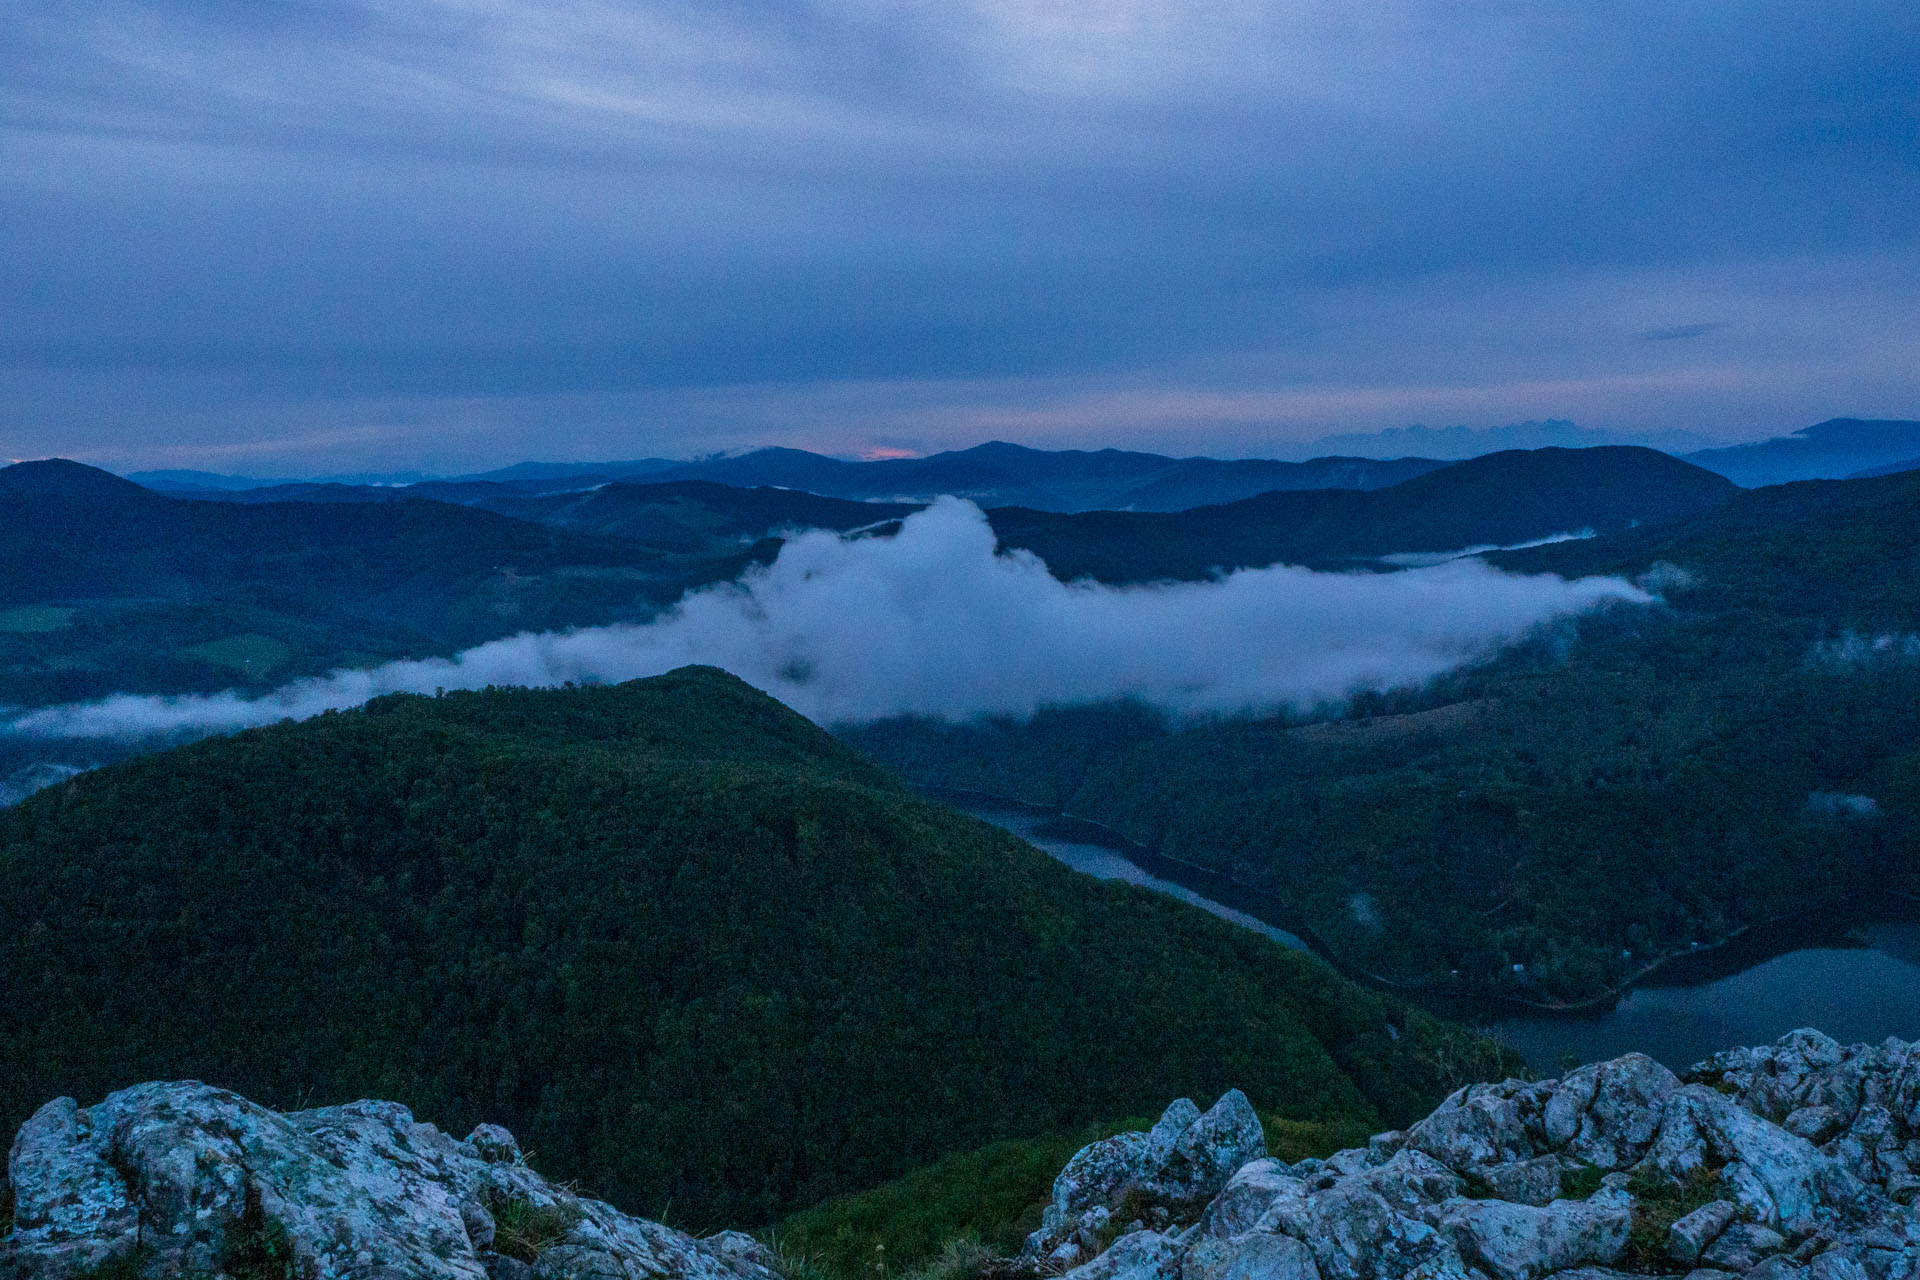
106,587
693,951
1614,790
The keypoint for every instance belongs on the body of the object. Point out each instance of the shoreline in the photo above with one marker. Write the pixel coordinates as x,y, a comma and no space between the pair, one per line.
1071,827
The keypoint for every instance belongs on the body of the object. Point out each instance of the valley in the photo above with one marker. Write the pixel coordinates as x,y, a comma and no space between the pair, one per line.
686,640
1675,816
1854,968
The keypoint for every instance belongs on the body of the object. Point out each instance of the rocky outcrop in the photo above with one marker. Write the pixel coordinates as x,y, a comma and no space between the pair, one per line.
1794,1161
183,1179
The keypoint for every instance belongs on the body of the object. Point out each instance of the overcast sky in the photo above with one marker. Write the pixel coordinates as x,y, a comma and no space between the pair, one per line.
281,238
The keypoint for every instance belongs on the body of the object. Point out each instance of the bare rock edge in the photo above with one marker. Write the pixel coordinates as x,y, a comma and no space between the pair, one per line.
1792,1161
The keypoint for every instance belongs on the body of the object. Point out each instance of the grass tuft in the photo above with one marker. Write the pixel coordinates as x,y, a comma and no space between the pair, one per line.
521,1228
1659,1202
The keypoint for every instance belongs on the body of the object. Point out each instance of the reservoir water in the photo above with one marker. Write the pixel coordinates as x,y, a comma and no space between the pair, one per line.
1856,983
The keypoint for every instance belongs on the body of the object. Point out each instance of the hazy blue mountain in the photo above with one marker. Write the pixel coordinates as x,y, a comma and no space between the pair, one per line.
1888,469
1460,442
544,473
994,474
175,480
1000,474
1497,500
1830,450
195,482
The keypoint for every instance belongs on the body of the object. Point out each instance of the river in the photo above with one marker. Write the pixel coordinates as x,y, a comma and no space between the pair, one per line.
1856,983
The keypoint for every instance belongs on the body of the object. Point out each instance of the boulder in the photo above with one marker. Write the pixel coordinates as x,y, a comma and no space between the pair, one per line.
1779,1172
1247,1197
1213,1148
1688,1238
1479,1125
1526,1242
1357,1235
172,1179
1816,1124
1098,1171
1409,1181
1742,1246
1169,1173
72,1211
1257,1256
1607,1114
1837,1264
1535,1181
1140,1255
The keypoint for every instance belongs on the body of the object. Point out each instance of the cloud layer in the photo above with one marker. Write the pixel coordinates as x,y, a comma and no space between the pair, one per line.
446,233
932,621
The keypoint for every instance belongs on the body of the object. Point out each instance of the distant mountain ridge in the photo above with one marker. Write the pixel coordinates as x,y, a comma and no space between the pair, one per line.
1458,443
1001,474
1830,450
992,474
1497,500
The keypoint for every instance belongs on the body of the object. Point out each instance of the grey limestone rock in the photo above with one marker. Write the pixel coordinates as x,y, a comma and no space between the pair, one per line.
1688,1238
1806,1151
1607,1114
494,1144
172,1178
1139,1255
1175,1169
1525,1242
1254,1256
1837,1264
1214,1147
1248,1195
1479,1125
1473,1191
1779,1173
1356,1235
1816,1124
1535,1181
1742,1246
1409,1181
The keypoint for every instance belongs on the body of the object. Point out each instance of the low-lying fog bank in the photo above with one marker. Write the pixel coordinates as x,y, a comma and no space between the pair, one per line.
934,621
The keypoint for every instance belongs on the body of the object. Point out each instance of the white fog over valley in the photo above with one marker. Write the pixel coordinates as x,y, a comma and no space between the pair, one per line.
932,621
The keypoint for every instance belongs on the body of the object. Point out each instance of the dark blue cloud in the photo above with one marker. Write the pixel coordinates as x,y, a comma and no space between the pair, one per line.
684,226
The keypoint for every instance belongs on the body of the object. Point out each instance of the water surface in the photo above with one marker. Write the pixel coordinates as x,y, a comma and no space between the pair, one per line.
1858,983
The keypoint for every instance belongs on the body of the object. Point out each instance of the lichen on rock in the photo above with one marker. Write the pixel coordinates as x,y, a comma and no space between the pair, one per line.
1792,1161
183,1179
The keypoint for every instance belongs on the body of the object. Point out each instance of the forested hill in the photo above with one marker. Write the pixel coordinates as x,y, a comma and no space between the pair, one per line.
689,515
1495,500
1548,823
694,952
1839,553
106,587
681,515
